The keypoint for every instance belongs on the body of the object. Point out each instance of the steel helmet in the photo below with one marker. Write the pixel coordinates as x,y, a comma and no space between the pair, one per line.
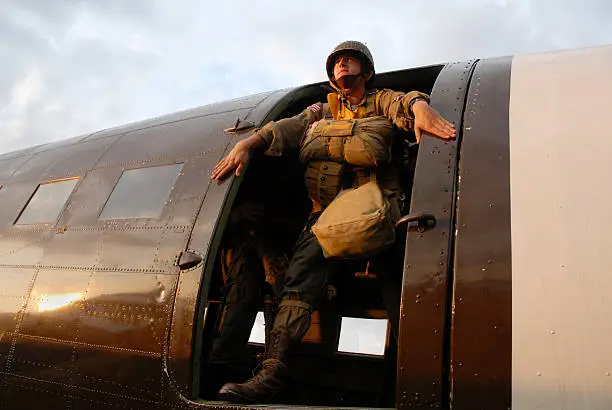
355,47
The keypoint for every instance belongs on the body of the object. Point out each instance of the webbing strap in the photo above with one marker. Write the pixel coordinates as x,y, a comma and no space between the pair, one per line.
334,104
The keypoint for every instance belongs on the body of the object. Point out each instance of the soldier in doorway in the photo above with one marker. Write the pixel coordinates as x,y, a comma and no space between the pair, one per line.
255,251
332,164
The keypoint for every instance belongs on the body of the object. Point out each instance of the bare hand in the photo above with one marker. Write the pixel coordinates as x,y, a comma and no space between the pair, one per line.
237,159
426,119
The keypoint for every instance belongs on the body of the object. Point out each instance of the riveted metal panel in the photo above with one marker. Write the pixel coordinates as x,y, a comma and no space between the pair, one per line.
266,109
128,311
123,334
482,299
16,282
23,246
137,249
28,393
94,400
118,374
61,143
54,304
137,244
182,139
423,355
22,285
192,289
16,285
89,198
243,103
68,162
50,323
20,153
74,160
72,250
10,165
42,359
192,187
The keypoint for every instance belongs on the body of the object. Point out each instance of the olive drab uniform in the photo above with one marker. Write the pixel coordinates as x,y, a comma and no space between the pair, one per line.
341,146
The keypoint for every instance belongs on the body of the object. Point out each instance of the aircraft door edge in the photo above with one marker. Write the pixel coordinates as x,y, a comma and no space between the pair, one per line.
423,355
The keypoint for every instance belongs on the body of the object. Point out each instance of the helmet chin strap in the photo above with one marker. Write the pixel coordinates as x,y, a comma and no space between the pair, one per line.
347,82
344,85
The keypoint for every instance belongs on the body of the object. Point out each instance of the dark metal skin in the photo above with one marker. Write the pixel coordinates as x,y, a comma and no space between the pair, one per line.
482,321
131,338
125,339
422,357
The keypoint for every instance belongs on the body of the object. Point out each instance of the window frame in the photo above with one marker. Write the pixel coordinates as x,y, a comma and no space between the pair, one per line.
23,209
160,215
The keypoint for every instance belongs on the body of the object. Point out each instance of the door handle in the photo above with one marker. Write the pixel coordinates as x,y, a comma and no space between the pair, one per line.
188,260
424,221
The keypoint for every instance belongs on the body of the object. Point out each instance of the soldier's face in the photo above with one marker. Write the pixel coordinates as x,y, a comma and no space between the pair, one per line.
346,64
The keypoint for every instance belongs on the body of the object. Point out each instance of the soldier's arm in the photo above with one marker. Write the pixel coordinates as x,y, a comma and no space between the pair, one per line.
277,137
396,106
283,137
412,111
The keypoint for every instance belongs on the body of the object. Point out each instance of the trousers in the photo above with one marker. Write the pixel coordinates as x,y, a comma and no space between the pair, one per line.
251,269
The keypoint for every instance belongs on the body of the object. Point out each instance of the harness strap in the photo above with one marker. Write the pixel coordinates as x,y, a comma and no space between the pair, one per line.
334,104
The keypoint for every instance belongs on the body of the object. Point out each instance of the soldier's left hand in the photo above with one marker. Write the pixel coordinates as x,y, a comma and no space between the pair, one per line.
426,119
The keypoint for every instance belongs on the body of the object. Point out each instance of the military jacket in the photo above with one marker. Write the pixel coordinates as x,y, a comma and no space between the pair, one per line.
344,146
284,136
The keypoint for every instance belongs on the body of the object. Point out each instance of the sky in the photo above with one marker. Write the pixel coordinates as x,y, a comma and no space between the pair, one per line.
72,67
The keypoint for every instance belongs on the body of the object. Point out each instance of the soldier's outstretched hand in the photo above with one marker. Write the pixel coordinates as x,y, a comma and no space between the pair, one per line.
427,119
237,159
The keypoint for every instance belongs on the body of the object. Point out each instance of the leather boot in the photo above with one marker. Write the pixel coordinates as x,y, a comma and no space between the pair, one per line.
290,325
267,382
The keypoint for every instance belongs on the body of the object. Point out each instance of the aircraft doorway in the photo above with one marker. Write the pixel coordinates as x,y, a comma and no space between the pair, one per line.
349,355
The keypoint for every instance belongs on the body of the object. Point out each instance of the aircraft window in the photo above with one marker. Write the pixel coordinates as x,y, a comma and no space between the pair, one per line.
47,202
258,333
141,193
365,336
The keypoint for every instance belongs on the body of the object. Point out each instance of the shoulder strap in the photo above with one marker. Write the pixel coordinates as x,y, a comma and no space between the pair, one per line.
377,102
334,104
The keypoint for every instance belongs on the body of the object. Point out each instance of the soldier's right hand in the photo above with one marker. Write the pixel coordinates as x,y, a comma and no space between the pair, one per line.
237,159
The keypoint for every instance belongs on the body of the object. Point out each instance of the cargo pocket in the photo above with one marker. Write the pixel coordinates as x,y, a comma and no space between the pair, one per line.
323,180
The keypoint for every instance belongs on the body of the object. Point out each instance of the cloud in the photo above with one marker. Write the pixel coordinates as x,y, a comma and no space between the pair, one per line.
72,67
